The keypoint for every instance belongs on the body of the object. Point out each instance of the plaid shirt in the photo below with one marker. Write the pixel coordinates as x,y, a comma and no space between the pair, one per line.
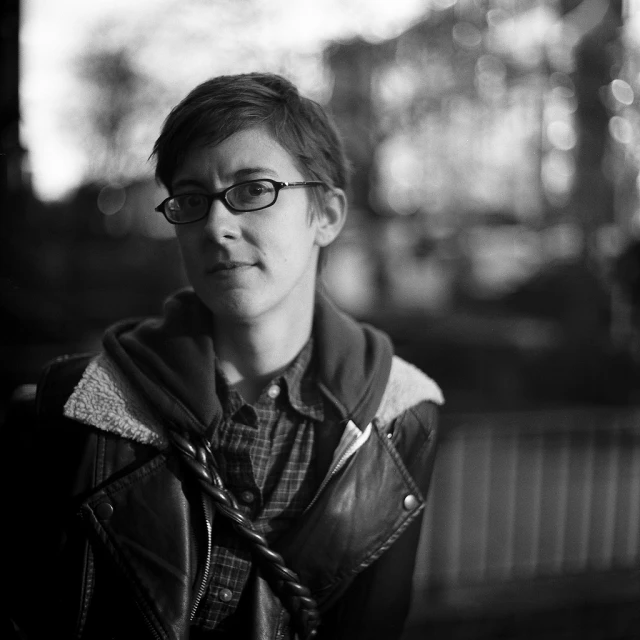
265,454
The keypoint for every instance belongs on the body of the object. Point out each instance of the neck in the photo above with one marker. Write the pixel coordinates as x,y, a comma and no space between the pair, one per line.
252,353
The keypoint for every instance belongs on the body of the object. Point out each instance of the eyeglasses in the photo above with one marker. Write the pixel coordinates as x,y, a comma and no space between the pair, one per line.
251,195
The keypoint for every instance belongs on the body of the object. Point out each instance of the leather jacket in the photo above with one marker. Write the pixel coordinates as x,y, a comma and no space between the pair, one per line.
113,537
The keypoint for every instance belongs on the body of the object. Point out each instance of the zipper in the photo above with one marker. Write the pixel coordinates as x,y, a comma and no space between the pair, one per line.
349,451
207,563
148,622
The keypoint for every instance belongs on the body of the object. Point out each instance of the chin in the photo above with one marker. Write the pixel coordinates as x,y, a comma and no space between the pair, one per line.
238,307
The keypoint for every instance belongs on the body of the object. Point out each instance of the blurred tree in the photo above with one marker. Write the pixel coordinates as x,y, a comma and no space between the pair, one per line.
122,105
115,84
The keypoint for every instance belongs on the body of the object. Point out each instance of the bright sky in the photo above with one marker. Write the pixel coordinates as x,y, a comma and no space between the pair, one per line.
177,43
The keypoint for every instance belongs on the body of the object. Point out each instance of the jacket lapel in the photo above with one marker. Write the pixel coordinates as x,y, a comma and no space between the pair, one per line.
361,511
144,521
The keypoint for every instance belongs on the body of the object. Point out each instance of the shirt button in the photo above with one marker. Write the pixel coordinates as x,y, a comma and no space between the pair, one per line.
247,497
274,391
410,502
225,595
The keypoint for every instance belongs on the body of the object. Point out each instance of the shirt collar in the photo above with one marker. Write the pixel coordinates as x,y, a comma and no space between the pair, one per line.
297,382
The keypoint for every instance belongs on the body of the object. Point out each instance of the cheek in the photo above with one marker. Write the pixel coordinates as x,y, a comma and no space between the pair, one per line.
289,248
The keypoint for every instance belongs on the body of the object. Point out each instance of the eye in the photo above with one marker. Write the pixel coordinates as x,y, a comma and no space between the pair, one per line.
255,189
252,195
191,201
183,208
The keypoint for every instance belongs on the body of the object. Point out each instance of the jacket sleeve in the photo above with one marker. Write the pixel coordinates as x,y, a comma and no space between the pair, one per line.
376,604
39,465
19,432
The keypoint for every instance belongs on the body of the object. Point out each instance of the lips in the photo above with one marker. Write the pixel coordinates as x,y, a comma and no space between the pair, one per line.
228,266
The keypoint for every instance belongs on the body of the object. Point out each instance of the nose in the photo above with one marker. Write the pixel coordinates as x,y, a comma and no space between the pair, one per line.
221,224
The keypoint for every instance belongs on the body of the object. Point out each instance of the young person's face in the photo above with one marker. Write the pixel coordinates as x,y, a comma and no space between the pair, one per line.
245,265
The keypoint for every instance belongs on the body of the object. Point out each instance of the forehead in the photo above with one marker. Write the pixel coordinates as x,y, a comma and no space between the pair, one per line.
245,154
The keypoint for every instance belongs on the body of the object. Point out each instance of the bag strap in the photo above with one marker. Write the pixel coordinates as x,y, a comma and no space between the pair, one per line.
285,583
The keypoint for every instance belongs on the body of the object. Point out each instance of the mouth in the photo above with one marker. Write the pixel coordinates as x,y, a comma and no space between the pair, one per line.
228,266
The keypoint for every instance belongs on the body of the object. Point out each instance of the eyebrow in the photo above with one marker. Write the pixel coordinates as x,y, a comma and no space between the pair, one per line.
238,176
252,171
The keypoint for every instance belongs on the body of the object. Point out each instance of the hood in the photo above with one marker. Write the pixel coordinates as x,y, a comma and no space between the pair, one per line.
170,361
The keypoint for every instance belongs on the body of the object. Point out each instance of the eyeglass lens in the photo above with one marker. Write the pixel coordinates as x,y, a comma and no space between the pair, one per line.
251,195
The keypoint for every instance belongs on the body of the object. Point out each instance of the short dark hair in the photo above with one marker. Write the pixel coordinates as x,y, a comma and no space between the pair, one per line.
222,106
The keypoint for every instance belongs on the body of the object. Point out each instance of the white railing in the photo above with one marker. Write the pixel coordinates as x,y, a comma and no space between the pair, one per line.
532,495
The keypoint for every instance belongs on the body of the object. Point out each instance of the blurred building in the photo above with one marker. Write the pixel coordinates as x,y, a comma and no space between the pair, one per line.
483,141
481,134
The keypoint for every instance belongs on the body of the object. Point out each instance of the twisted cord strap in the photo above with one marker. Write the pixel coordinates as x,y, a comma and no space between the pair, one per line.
284,582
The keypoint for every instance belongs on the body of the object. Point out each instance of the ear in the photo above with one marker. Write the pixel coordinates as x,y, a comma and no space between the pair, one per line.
331,217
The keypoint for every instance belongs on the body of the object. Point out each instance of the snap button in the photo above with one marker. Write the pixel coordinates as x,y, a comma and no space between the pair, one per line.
247,496
410,502
104,511
225,595
273,391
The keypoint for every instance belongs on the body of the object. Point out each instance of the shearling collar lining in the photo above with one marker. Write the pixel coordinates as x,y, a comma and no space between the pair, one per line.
103,399
407,386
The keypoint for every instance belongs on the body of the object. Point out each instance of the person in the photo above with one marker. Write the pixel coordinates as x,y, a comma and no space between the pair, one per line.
252,464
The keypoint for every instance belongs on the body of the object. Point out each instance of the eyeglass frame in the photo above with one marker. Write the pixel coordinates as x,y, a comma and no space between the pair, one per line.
222,195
